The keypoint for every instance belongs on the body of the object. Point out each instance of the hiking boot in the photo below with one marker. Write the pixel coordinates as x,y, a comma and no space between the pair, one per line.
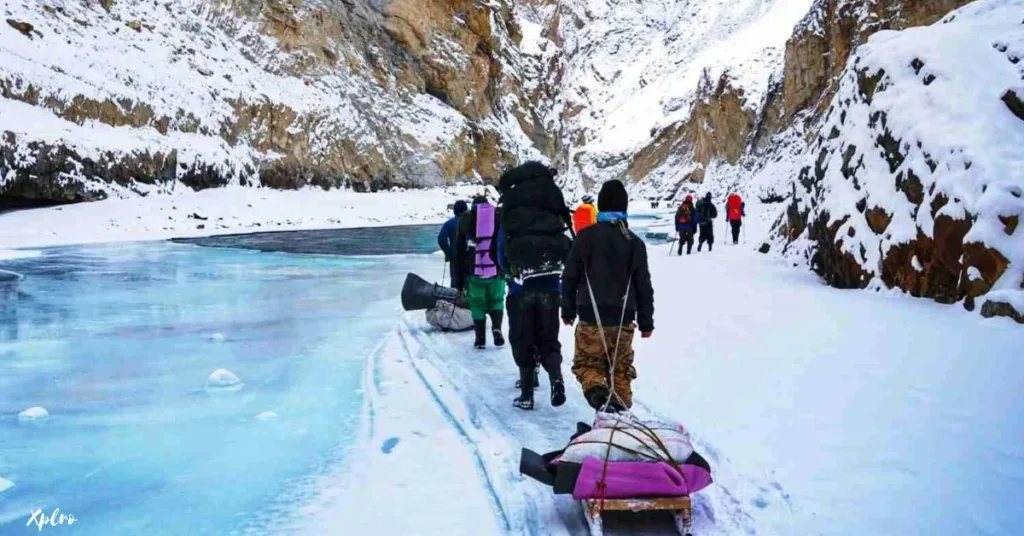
480,328
524,402
612,406
496,318
557,392
536,379
525,399
597,396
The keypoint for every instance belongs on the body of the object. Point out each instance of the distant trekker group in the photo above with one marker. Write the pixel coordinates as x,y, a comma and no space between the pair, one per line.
700,218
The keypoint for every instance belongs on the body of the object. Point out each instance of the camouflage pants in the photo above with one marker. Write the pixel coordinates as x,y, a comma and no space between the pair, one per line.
590,362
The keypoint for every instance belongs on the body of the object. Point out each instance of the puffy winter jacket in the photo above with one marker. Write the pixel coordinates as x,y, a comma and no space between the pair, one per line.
584,216
446,238
706,211
688,225
611,259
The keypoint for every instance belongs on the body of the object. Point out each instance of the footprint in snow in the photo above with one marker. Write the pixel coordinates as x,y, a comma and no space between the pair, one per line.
389,445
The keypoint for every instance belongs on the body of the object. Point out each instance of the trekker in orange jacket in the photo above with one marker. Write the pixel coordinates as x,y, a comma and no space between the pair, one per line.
734,213
585,214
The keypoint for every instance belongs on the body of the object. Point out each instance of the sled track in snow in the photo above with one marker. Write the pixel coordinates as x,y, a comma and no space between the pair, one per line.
457,425
474,391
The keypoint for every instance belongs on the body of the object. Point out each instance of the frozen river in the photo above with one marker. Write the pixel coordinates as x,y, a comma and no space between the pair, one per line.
117,342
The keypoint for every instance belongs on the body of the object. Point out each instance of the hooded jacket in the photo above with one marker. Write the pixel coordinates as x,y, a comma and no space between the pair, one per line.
612,259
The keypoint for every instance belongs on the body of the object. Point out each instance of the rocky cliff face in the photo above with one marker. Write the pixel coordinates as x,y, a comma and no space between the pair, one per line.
124,97
759,121
911,182
823,41
653,92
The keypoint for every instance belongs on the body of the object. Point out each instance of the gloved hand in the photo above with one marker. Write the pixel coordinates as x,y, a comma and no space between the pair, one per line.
646,334
568,321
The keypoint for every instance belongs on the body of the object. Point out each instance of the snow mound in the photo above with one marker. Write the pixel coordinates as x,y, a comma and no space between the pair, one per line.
5,484
217,337
914,180
35,415
223,380
266,416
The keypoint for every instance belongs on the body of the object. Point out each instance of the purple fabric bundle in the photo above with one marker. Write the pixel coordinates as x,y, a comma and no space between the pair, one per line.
594,477
483,263
624,480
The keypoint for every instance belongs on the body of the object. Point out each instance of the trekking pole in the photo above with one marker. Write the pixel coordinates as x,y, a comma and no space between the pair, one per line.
744,232
672,243
444,271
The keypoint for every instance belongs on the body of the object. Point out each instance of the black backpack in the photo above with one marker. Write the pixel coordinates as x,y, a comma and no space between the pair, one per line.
706,211
535,219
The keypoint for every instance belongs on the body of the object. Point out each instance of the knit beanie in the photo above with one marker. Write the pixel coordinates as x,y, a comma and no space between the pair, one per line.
613,197
460,207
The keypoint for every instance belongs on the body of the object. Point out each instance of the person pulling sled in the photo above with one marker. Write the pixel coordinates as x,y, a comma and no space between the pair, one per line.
447,235
607,284
476,271
532,246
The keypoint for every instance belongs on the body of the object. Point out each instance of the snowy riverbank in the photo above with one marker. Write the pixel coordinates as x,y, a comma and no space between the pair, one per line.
821,412
220,211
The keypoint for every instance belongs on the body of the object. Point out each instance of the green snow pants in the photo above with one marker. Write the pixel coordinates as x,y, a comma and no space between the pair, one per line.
485,295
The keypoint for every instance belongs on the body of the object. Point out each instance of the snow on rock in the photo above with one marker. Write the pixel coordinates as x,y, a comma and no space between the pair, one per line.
145,98
266,416
222,380
34,415
5,484
919,157
631,72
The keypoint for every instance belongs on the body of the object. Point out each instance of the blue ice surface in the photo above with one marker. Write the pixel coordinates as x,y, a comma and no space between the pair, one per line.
115,341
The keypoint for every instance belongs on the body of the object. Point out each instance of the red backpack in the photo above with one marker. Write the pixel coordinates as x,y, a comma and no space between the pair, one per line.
685,213
734,207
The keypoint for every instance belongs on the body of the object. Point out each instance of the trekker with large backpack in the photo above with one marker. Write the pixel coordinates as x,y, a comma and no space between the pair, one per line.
706,214
477,272
734,213
686,224
607,284
532,247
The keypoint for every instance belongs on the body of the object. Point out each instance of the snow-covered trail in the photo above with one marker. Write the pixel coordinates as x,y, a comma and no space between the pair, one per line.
475,389
821,412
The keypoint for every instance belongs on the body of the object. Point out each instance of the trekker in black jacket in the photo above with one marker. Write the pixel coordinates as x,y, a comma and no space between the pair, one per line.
612,259
706,214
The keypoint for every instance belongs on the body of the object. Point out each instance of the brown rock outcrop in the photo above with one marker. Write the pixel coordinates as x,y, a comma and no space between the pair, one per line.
822,43
718,128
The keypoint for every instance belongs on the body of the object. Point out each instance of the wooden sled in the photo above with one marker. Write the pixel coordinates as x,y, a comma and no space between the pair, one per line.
681,508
